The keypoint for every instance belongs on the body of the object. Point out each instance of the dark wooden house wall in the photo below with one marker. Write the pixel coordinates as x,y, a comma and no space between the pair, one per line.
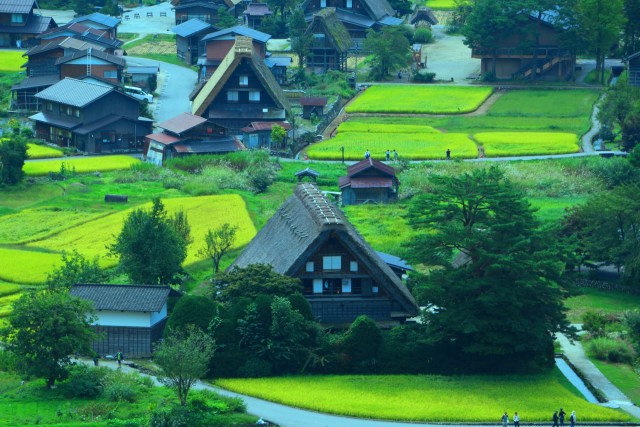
80,70
132,342
356,196
367,294
44,64
634,71
357,6
323,56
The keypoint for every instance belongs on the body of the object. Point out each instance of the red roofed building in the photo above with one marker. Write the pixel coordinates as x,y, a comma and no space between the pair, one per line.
369,181
258,134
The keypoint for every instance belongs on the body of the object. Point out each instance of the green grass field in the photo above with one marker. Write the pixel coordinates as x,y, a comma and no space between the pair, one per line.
427,398
441,4
596,300
545,103
35,151
420,99
415,146
11,60
622,376
28,267
502,144
81,165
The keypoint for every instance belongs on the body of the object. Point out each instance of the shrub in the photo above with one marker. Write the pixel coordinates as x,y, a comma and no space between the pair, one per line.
171,416
423,78
594,323
423,35
8,361
84,381
360,344
611,350
121,391
255,368
192,310
261,177
616,171
632,321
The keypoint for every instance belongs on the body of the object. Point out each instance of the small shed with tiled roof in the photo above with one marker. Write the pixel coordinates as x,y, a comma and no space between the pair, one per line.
255,13
131,318
313,105
258,134
341,275
331,42
369,181
423,16
189,45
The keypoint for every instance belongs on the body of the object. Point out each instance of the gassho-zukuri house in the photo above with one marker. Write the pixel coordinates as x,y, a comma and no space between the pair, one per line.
342,275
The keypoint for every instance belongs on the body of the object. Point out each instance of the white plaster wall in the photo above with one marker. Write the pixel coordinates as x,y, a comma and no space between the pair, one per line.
123,318
159,315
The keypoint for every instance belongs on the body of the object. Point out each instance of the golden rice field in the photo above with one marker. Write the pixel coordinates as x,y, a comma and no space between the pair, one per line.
427,397
420,99
81,165
415,146
27,266
11,60
500,144
91,238
35,151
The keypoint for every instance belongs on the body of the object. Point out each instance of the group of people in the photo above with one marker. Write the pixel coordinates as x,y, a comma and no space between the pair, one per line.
558,419
387,155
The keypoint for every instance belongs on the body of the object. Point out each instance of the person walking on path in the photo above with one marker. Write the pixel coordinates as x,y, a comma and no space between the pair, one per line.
505,419
388,155
555,419
572,418
395,155
119,358
516,420
561,417
367,154
448,154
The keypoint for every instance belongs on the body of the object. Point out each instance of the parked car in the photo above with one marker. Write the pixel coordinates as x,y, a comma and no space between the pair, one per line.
138,93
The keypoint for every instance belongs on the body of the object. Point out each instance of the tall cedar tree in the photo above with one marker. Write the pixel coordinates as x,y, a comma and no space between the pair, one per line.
300,40
499,305
45,329
389,49
152,246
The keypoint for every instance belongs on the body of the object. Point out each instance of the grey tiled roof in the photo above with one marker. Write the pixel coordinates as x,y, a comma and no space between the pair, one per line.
38,81
35,25
117,60
74,92
240,30
192,26
16,6
143,298
98,18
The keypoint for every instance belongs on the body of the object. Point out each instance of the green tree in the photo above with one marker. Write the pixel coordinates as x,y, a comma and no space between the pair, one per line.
75,268
599,24
283,8
607,226
300,39
192,310
225,19
45,329
361,343
254,280
620,108
286,349
632,27
389,49
402,7
13,153
278,135
151,246
183,358
500,303
217,242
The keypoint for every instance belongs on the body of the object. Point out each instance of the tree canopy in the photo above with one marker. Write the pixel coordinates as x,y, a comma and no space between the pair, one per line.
152,246
493,294
217,242
252,281
390,50
45,329
13,153
75,269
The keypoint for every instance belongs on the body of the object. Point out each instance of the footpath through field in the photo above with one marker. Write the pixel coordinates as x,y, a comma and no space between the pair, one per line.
286,416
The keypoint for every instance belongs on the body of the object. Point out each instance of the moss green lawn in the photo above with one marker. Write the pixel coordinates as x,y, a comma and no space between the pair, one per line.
427,397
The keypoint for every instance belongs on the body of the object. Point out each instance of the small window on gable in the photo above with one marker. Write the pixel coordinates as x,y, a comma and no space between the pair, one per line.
310,267
76,112
332,262
110,74
349,4
374,290
317,286
232,96
254,96
353,266
323,3
244,81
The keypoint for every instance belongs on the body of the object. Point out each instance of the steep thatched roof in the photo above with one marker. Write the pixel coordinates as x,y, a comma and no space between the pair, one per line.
242,50
424,14
301,226
328,22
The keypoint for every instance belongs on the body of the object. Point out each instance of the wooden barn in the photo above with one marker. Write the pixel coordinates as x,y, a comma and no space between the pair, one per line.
331,42
313,106
204,10
342,276
189,36
513,61
20,24
633,66
369,181
423,16
131,318
241,91
255,14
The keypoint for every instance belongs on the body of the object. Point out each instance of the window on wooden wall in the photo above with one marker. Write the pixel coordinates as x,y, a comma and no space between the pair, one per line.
317,286
332,262
309,268
232,96
353,266
244,81
349,4
346,286
254,96
110,74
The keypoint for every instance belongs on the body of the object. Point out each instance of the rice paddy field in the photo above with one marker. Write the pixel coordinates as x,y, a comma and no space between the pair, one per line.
81,165
420,99
427,397
502,144
11,60
35,151
519,123
441,4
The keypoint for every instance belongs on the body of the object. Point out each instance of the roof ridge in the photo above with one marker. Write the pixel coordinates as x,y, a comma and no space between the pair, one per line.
322,210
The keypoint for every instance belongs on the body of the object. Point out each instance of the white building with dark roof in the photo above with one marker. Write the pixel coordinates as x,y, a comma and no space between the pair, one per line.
131,318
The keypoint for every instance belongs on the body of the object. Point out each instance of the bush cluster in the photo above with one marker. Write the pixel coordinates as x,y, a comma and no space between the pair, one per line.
612,338
91,382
